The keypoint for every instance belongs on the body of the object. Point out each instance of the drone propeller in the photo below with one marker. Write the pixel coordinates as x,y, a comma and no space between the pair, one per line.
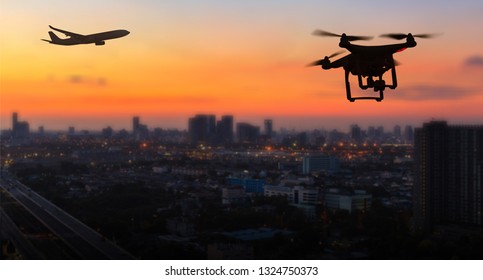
319,32
325,59
400,36
316,63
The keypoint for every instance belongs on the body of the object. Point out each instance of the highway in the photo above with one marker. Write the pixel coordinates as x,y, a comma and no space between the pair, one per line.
12,232
83,240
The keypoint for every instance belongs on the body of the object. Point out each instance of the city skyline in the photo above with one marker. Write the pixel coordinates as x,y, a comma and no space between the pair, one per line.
133,122
252,65
300,123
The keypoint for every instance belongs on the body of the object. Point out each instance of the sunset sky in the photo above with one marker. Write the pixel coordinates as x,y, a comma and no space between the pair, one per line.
245,58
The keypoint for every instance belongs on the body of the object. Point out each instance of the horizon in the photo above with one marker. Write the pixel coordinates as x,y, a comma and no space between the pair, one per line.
295,123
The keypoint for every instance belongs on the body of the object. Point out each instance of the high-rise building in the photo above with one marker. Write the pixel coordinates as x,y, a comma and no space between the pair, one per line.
20,130
14,120
371,132
139,131
379,132
135,125
202,129
107,132
356,133
268,128
397,131
448,186
408,134
224,130
247,133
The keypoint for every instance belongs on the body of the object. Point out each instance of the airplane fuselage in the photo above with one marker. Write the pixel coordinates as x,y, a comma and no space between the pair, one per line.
107,35
76,39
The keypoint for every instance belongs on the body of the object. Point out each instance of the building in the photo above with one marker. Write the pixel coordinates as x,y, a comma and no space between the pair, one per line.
448,186
371,132
295,194
140,131
233,195
20,130
268,128
202,129
379,132
397,131
320,163
135,125
345,200
247,133
356,133
107,132
282,191
306,199
224,130
408,135
250,185
302,195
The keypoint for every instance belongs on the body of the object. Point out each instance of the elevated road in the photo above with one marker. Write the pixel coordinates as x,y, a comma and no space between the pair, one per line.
10,230
86,242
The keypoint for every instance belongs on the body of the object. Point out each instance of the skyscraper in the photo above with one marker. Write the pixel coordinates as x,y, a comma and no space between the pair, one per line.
224,130
14,120
408,134
268,128
448,186
20,130
202,129
397,131
135,125
247,133
371,132
139,131
356,134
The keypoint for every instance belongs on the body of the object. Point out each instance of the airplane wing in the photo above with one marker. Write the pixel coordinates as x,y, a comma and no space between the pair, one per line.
68,33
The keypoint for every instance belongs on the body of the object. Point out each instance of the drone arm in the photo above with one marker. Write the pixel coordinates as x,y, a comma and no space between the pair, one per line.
341,62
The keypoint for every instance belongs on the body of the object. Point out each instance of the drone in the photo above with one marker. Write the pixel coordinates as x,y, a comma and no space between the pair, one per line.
369,62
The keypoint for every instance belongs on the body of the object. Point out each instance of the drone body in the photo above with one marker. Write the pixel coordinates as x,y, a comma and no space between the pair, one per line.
368,62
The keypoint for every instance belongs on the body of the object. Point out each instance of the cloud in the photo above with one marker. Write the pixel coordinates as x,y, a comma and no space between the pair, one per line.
429,92
143,100
474,61
79,79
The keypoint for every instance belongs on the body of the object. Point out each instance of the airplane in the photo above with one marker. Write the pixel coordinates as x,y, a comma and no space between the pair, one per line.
367,61
75,39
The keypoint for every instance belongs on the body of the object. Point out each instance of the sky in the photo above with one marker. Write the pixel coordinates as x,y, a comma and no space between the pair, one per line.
244,58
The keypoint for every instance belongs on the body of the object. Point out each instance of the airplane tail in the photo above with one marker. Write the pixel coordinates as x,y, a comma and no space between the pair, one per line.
54,39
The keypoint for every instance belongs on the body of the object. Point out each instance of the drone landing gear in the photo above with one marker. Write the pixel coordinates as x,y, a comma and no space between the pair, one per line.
378,85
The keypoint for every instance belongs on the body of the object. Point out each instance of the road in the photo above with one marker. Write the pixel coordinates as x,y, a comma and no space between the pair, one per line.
12,232
85,241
